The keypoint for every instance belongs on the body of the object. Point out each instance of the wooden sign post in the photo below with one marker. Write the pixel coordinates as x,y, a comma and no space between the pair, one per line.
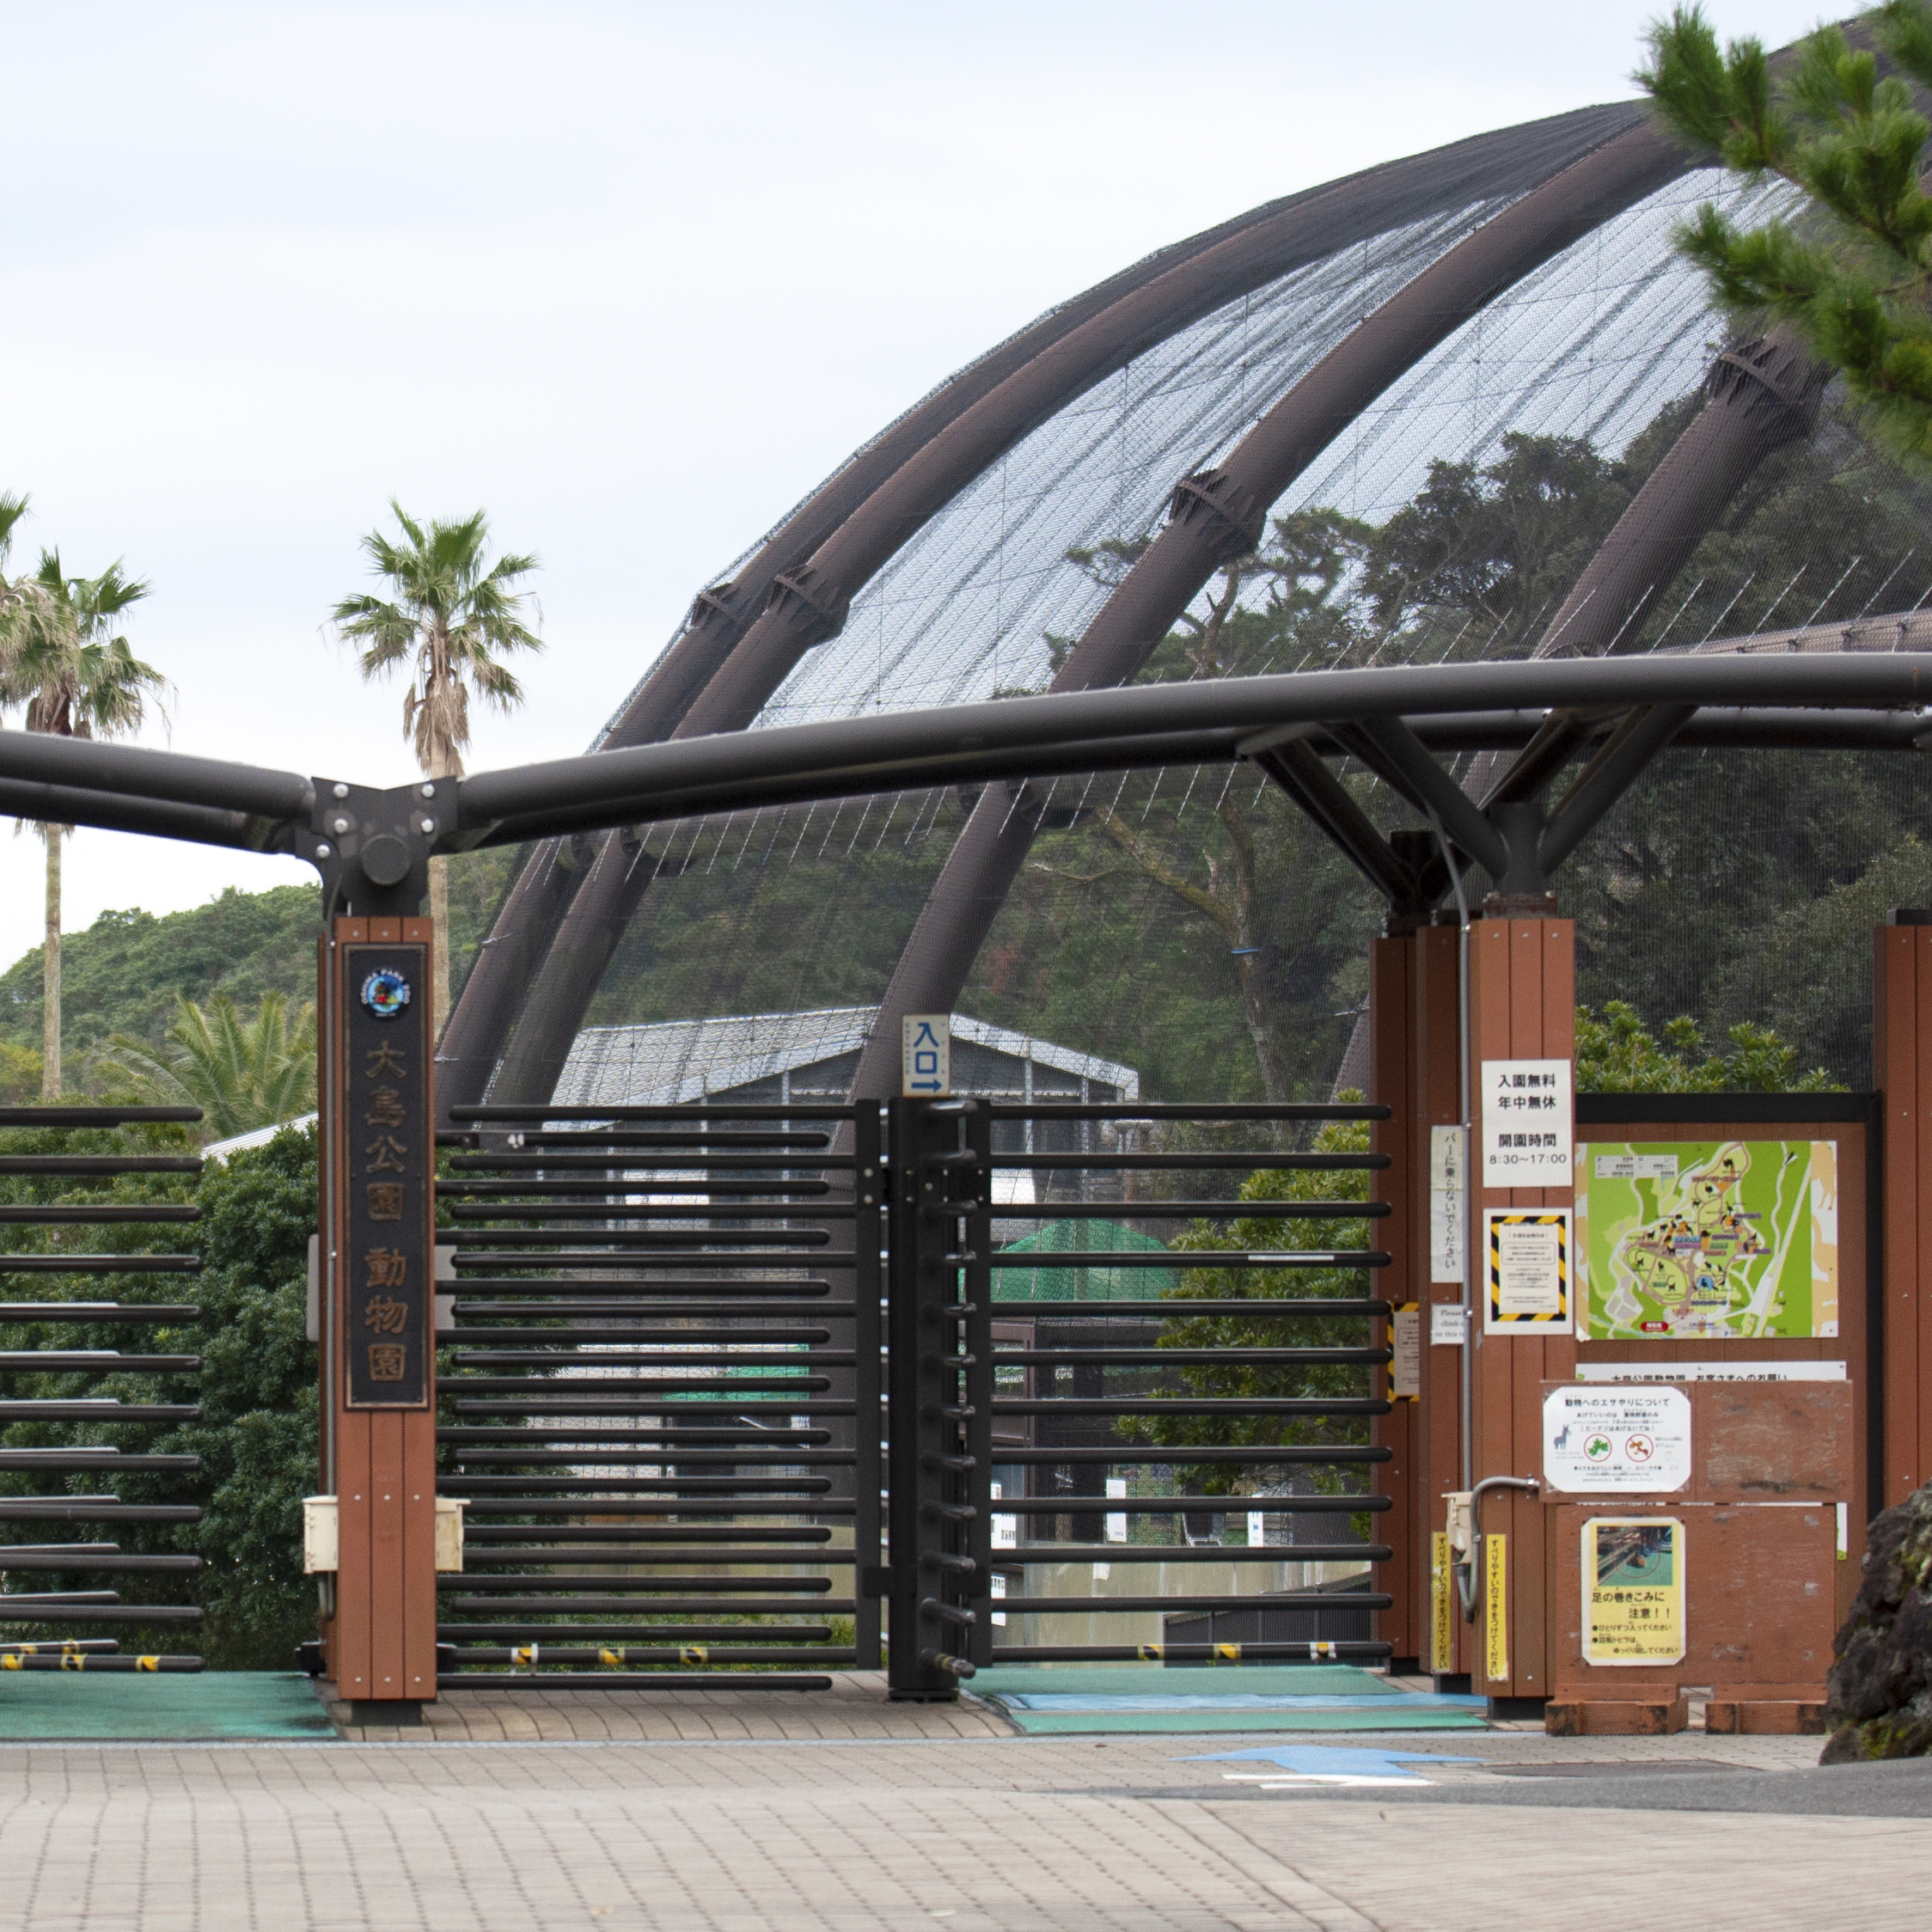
378,1136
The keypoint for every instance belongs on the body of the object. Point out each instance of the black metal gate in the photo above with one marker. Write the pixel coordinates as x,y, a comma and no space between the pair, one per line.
80,1344
1009,1408
660,1396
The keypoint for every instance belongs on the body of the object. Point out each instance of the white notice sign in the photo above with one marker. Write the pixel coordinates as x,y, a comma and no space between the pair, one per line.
1405,1372
1448,1324
1448,1177
1526,1123
1622,1438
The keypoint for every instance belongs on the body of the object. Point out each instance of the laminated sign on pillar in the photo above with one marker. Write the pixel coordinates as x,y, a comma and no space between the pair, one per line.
1526,1123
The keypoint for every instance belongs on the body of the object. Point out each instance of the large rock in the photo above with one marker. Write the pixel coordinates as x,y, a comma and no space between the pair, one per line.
1880,1684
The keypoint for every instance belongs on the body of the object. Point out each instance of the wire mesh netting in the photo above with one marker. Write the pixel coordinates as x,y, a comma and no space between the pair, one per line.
1189,924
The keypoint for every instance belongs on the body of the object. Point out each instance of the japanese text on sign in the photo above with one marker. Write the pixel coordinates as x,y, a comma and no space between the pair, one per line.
386,1149
1526,1123
925,1054
1633,1590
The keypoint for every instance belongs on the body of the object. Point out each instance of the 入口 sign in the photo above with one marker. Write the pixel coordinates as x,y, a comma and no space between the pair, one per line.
925,1054
1526,1123
1617,1438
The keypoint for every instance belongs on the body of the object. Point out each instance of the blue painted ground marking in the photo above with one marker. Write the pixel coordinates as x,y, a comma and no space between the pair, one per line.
1328,1760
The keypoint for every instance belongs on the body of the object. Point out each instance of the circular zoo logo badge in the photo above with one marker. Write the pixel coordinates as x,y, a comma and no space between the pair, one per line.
385,992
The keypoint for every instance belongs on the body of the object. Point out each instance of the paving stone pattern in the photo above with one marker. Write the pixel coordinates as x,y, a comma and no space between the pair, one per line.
824,1836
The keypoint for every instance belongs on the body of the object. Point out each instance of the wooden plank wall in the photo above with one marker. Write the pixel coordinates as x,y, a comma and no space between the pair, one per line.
1522,1006
1391,1081
1902,1068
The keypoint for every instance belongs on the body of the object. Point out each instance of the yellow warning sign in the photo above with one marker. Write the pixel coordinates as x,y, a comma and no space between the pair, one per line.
1633,1590
1496,1609
1442,1616
1528,1268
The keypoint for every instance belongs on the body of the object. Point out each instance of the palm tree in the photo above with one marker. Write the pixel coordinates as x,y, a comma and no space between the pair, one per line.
61,657
241,1073
447,616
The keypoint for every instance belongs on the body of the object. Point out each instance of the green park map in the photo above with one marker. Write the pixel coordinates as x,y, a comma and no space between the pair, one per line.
1711,1241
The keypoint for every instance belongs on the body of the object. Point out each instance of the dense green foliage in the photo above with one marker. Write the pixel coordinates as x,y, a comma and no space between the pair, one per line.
1615,1054
243,1073
1849,268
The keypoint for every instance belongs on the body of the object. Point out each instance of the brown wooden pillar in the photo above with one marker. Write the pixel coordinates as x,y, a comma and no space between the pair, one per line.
376,1138
1902,1069
1391,1083
1522,1006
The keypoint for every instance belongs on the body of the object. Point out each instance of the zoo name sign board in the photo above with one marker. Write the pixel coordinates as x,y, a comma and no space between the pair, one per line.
1526,1123
1621,1439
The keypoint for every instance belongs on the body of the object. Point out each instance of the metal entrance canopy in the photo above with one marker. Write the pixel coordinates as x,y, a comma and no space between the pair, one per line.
372,845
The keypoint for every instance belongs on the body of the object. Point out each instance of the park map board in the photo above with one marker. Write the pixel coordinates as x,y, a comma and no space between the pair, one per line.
1708,1240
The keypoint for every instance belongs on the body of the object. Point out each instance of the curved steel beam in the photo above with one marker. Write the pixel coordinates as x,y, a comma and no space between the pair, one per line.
1222,514
969,744
811,585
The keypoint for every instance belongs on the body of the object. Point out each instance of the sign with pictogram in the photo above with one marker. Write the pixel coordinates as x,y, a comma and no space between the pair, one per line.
1622,1437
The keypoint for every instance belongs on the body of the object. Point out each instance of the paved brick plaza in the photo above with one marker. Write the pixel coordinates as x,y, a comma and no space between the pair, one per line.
783,1812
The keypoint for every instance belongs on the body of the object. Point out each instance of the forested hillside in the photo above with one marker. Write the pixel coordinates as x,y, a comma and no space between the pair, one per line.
124,973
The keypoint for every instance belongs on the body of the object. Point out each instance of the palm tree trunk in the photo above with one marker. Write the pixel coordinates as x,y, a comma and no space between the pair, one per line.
439,940
50,975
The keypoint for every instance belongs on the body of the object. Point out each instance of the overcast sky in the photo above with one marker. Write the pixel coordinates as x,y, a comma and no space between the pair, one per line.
632,278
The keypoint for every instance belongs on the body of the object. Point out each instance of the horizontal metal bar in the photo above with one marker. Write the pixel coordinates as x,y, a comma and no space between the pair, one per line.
1193,1211
612,1354
1245,1158
1184,1506
1261,1308
1191,1405
45,1216
729,1383
629,1244
1184,1358
1184,1110
87,1312
99,1164
799,1633
98,1410
678,1606
542,1305
780,1190
100,1613
659,1164
1191,1552
608,1450
11,1561
71,1461
779,1212
100,1264
669,1257
94,1116
1187,1258
1182,1606
566,1653
683,1111
1191,1455
1233,1654
605,1334
680,1505
561,1583
593,1493
137,772
504,1537
641,1405
79,1509
106,1360
630,1680
17,1661
668,1556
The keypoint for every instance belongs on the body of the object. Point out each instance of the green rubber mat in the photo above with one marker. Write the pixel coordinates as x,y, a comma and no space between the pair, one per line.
1048,1701
1144,1680
50,1705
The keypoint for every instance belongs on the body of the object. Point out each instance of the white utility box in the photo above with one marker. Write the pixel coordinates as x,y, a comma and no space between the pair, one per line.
321,1542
